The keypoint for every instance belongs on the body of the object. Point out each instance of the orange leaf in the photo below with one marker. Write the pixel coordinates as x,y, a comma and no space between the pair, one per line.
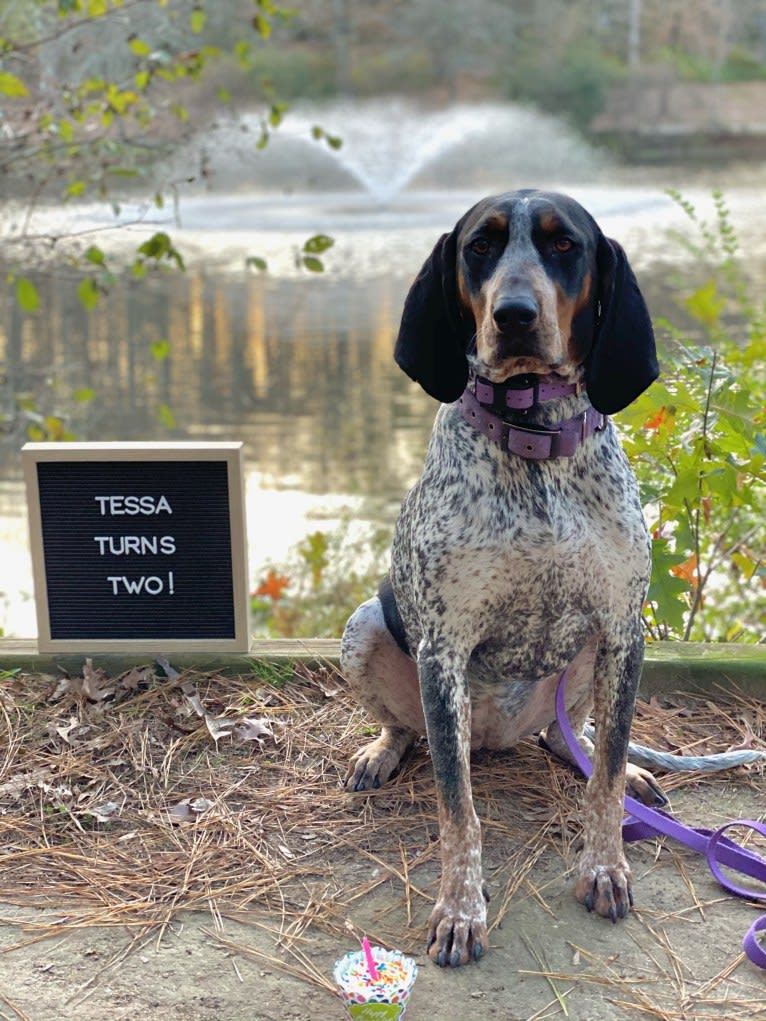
654,424
273,586
688,570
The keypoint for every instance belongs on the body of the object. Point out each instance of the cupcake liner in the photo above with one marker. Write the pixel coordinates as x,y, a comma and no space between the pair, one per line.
381,1000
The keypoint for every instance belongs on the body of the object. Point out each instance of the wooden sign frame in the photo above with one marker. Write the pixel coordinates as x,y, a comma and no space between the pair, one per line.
193,492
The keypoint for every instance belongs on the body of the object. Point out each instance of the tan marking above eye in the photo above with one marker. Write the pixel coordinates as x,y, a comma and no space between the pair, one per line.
550,223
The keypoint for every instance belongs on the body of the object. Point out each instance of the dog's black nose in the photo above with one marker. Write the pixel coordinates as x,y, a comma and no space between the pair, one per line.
514,315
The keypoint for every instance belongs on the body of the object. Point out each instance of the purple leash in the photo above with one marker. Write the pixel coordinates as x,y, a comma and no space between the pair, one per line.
717,848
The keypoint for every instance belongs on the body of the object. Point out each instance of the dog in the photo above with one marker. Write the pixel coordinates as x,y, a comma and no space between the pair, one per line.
522,549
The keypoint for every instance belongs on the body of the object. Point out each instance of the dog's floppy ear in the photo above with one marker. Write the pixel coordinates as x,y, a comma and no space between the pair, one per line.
623,360
431,346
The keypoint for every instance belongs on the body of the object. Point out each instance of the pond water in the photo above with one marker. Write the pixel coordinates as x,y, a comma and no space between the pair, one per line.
296,365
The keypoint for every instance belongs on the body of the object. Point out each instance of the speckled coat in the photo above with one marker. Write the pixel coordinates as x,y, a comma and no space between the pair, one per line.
504,569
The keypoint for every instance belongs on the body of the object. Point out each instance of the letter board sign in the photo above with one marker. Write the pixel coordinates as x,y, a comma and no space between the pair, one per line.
138,545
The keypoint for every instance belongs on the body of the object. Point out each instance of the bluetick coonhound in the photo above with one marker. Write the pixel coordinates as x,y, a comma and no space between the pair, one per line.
522,548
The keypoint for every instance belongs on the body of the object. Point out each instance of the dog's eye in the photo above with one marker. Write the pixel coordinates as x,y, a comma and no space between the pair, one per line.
563,244
479,246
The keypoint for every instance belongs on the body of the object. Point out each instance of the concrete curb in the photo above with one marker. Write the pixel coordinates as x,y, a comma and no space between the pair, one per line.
668,666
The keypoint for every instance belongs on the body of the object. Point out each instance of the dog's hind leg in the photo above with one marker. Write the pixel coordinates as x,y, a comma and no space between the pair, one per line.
385,681
641,784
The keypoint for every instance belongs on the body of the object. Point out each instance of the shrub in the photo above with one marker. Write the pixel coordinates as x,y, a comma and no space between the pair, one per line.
696,442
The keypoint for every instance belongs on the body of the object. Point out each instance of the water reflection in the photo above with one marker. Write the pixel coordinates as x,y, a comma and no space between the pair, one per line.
301,372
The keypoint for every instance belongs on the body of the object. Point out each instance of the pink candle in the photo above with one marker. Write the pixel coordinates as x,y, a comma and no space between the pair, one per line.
370,960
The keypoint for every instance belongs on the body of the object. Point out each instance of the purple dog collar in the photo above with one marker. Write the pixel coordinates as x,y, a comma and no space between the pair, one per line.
718,849
532,444
501,395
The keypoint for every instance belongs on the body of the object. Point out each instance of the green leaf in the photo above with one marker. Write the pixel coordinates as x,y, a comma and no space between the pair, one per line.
313,264
65,130
277,114
197,20
141,79
139,47
160,350
262,26
320,134
166,416
75,189
97,8
27,295
667,593
95,255
243,51
123,172
12,86
706,305
256,262
88,293
318,243
84,395
159,246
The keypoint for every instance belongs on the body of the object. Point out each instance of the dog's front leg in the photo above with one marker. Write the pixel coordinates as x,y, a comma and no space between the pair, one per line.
458,923
604,877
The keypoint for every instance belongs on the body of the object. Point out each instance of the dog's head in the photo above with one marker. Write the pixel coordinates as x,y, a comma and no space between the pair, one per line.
527,283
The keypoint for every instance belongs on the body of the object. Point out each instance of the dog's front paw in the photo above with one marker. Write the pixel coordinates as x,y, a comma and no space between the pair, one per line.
605,889
457,931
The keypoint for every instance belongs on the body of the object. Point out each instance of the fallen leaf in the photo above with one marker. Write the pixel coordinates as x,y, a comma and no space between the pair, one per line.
251,729
219,727
135,677
189,809
64,732
91,681
168,670
103,813
192,697
22,781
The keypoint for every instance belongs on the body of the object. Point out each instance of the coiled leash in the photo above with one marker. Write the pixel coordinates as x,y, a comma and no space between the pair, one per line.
719,850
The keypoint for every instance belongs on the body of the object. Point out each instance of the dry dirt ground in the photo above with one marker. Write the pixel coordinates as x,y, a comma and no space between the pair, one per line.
178,847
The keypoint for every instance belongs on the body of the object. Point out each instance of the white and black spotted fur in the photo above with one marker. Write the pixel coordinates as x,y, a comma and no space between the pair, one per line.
505,570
